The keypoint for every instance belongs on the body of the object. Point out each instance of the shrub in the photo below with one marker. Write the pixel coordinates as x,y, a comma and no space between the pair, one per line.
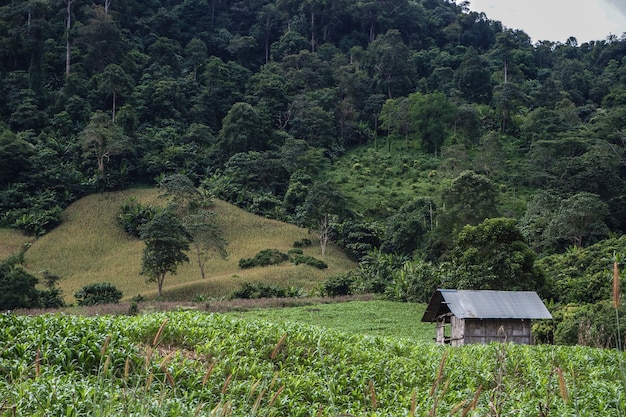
259,290
99,293
17,287
340,285
52,296
133,215
309,260
37,222
295,251
302,243
264,258
415,281
588,325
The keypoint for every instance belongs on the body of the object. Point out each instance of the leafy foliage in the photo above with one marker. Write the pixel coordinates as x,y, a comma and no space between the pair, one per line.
494,256
340,285
166,240
265,257
308,260
580,275
330,115
256,290
17,286
376,271
134,215
98,293
414,282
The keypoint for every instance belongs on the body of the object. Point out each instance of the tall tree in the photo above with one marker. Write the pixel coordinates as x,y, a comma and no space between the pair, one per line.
68,27
206,237
105,139
193,206
473,78
578,217
407,230
166,241
390,64
100,40
468,199
195,55
494,256
15,154
395,117
115,81
243,130
433,115
323,205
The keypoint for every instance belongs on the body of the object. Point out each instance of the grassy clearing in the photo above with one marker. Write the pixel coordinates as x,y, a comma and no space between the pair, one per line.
89,247
375,318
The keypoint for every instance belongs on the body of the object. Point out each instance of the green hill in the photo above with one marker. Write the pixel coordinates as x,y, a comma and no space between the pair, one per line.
89,247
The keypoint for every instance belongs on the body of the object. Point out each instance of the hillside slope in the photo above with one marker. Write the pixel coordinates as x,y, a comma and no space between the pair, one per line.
89,247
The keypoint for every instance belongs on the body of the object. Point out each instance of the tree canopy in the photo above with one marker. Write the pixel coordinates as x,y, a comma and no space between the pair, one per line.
282,107
494,256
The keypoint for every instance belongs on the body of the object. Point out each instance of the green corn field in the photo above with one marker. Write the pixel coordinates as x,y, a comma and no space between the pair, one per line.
190,363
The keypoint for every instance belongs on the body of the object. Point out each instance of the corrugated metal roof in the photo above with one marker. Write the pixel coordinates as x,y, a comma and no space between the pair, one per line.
486,304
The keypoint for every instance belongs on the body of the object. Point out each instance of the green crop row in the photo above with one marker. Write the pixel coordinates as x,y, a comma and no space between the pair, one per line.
194,363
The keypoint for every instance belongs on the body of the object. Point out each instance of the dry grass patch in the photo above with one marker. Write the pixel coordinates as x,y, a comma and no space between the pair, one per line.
89,247
12,241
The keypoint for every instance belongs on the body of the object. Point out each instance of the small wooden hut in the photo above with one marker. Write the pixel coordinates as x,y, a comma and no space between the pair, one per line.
483,316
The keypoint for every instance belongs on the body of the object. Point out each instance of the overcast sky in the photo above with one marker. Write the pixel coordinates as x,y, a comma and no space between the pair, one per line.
557,20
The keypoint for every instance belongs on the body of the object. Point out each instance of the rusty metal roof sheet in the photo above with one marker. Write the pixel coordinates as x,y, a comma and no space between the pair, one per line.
486,304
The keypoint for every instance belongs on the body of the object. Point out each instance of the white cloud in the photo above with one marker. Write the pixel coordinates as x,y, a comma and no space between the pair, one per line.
557,20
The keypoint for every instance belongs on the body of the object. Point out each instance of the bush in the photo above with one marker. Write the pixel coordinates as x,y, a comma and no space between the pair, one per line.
415,281
37,222
17,287
264,258
133,215
100,293
376,271
52,296
339,285
309,260
259,290
302,243
592,325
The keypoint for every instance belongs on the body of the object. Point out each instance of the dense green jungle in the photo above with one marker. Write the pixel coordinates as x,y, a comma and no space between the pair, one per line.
435,146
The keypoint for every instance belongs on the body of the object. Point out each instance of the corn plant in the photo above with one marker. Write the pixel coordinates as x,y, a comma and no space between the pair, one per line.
199,364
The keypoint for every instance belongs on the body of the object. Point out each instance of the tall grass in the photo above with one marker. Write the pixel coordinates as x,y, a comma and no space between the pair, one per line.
89,247
12,242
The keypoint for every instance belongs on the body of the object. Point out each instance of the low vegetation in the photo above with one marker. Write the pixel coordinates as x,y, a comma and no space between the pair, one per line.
90,247
373,317
195,363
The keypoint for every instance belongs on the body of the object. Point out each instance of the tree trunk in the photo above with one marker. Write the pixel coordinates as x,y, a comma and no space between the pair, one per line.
107,3
113,112
312,31
160,280
323,233
199,259
67,37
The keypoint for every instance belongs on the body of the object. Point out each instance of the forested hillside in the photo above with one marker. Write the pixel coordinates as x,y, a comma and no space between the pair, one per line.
387,126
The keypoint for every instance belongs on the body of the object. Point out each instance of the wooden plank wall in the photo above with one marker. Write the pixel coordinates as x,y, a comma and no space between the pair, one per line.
497,330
